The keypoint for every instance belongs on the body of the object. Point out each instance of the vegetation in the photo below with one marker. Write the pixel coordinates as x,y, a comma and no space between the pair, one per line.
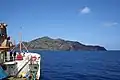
47,43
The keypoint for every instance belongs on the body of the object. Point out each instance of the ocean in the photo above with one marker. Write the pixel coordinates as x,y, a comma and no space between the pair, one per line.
80,65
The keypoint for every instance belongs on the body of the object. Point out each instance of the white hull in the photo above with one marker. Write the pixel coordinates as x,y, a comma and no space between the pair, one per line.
22,67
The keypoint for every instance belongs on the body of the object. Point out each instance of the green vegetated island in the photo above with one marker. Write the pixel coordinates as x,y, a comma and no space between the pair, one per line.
47,43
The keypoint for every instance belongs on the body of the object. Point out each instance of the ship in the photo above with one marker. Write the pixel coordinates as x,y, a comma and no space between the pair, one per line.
17,65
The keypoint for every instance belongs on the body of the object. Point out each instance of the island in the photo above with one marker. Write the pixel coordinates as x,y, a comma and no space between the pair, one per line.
47,43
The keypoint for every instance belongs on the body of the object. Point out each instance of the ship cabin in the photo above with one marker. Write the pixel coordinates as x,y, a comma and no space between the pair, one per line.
5,46
3,41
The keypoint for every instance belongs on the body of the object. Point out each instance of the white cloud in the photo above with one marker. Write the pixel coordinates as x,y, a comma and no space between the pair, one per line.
85,10
110,24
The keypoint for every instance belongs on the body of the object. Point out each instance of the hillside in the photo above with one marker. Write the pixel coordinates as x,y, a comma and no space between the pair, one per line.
47,43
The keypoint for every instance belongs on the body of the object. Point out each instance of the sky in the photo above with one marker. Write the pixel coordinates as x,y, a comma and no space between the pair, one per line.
91,22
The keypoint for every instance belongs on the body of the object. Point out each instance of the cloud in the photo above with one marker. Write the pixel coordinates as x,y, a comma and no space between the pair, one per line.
110,24
85,10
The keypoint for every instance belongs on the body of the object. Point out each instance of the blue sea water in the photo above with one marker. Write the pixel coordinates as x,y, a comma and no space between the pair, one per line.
80,65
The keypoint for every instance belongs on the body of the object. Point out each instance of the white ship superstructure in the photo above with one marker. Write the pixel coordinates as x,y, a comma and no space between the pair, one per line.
17,64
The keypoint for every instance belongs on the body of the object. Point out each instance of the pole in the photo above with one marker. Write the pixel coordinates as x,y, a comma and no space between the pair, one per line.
21,39
20,42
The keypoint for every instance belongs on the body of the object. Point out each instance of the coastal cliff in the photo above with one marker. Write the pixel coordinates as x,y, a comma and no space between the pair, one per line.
47,43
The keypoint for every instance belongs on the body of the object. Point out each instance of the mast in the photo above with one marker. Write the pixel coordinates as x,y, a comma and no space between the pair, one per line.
20,34
20,42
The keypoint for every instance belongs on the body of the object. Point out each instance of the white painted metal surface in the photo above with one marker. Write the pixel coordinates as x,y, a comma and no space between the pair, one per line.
20,66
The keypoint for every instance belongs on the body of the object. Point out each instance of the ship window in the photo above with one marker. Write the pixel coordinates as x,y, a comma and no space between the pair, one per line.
35,67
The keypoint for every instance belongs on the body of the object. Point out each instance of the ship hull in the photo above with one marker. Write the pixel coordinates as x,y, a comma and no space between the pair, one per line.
29,66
